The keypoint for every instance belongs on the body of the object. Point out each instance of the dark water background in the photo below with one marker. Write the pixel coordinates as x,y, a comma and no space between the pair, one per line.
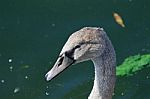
32,33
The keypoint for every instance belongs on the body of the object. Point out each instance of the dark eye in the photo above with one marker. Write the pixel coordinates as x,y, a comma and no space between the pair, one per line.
70,53
77,46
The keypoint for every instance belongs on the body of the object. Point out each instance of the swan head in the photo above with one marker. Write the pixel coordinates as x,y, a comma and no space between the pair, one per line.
85,44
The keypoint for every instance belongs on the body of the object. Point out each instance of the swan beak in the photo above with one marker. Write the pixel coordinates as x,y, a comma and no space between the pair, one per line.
61,64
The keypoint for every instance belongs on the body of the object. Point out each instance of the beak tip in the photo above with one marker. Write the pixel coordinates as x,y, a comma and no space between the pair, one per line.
47,77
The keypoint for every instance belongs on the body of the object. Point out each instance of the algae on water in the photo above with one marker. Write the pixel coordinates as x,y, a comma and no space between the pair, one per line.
133,64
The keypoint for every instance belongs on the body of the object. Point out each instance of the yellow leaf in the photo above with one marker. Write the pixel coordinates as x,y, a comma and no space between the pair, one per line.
118,19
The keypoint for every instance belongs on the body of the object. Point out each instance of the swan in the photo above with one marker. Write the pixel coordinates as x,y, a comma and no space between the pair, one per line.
90,43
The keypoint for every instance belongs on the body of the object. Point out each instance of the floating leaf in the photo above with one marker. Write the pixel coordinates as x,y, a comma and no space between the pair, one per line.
118,19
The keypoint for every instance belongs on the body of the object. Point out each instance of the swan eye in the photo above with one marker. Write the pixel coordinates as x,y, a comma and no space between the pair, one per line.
77,46
69,54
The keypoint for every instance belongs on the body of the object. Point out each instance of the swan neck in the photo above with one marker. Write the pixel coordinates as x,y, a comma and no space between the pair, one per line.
104,79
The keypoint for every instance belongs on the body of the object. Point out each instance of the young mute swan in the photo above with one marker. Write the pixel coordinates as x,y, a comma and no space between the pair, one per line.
90,43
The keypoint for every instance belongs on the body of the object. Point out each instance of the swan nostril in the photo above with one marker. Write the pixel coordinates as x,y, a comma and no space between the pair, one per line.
60,61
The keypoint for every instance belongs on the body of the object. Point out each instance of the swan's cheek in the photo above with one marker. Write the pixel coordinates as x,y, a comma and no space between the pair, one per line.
79,54
82,53
96,50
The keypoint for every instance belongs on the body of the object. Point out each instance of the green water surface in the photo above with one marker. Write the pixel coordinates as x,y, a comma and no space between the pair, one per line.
32,33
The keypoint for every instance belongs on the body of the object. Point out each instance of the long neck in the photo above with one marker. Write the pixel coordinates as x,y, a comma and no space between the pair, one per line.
104,81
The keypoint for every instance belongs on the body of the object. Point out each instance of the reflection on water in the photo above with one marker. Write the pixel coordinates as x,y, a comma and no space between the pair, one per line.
33,32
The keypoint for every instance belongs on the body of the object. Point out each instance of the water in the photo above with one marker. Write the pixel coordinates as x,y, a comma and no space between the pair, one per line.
32,33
